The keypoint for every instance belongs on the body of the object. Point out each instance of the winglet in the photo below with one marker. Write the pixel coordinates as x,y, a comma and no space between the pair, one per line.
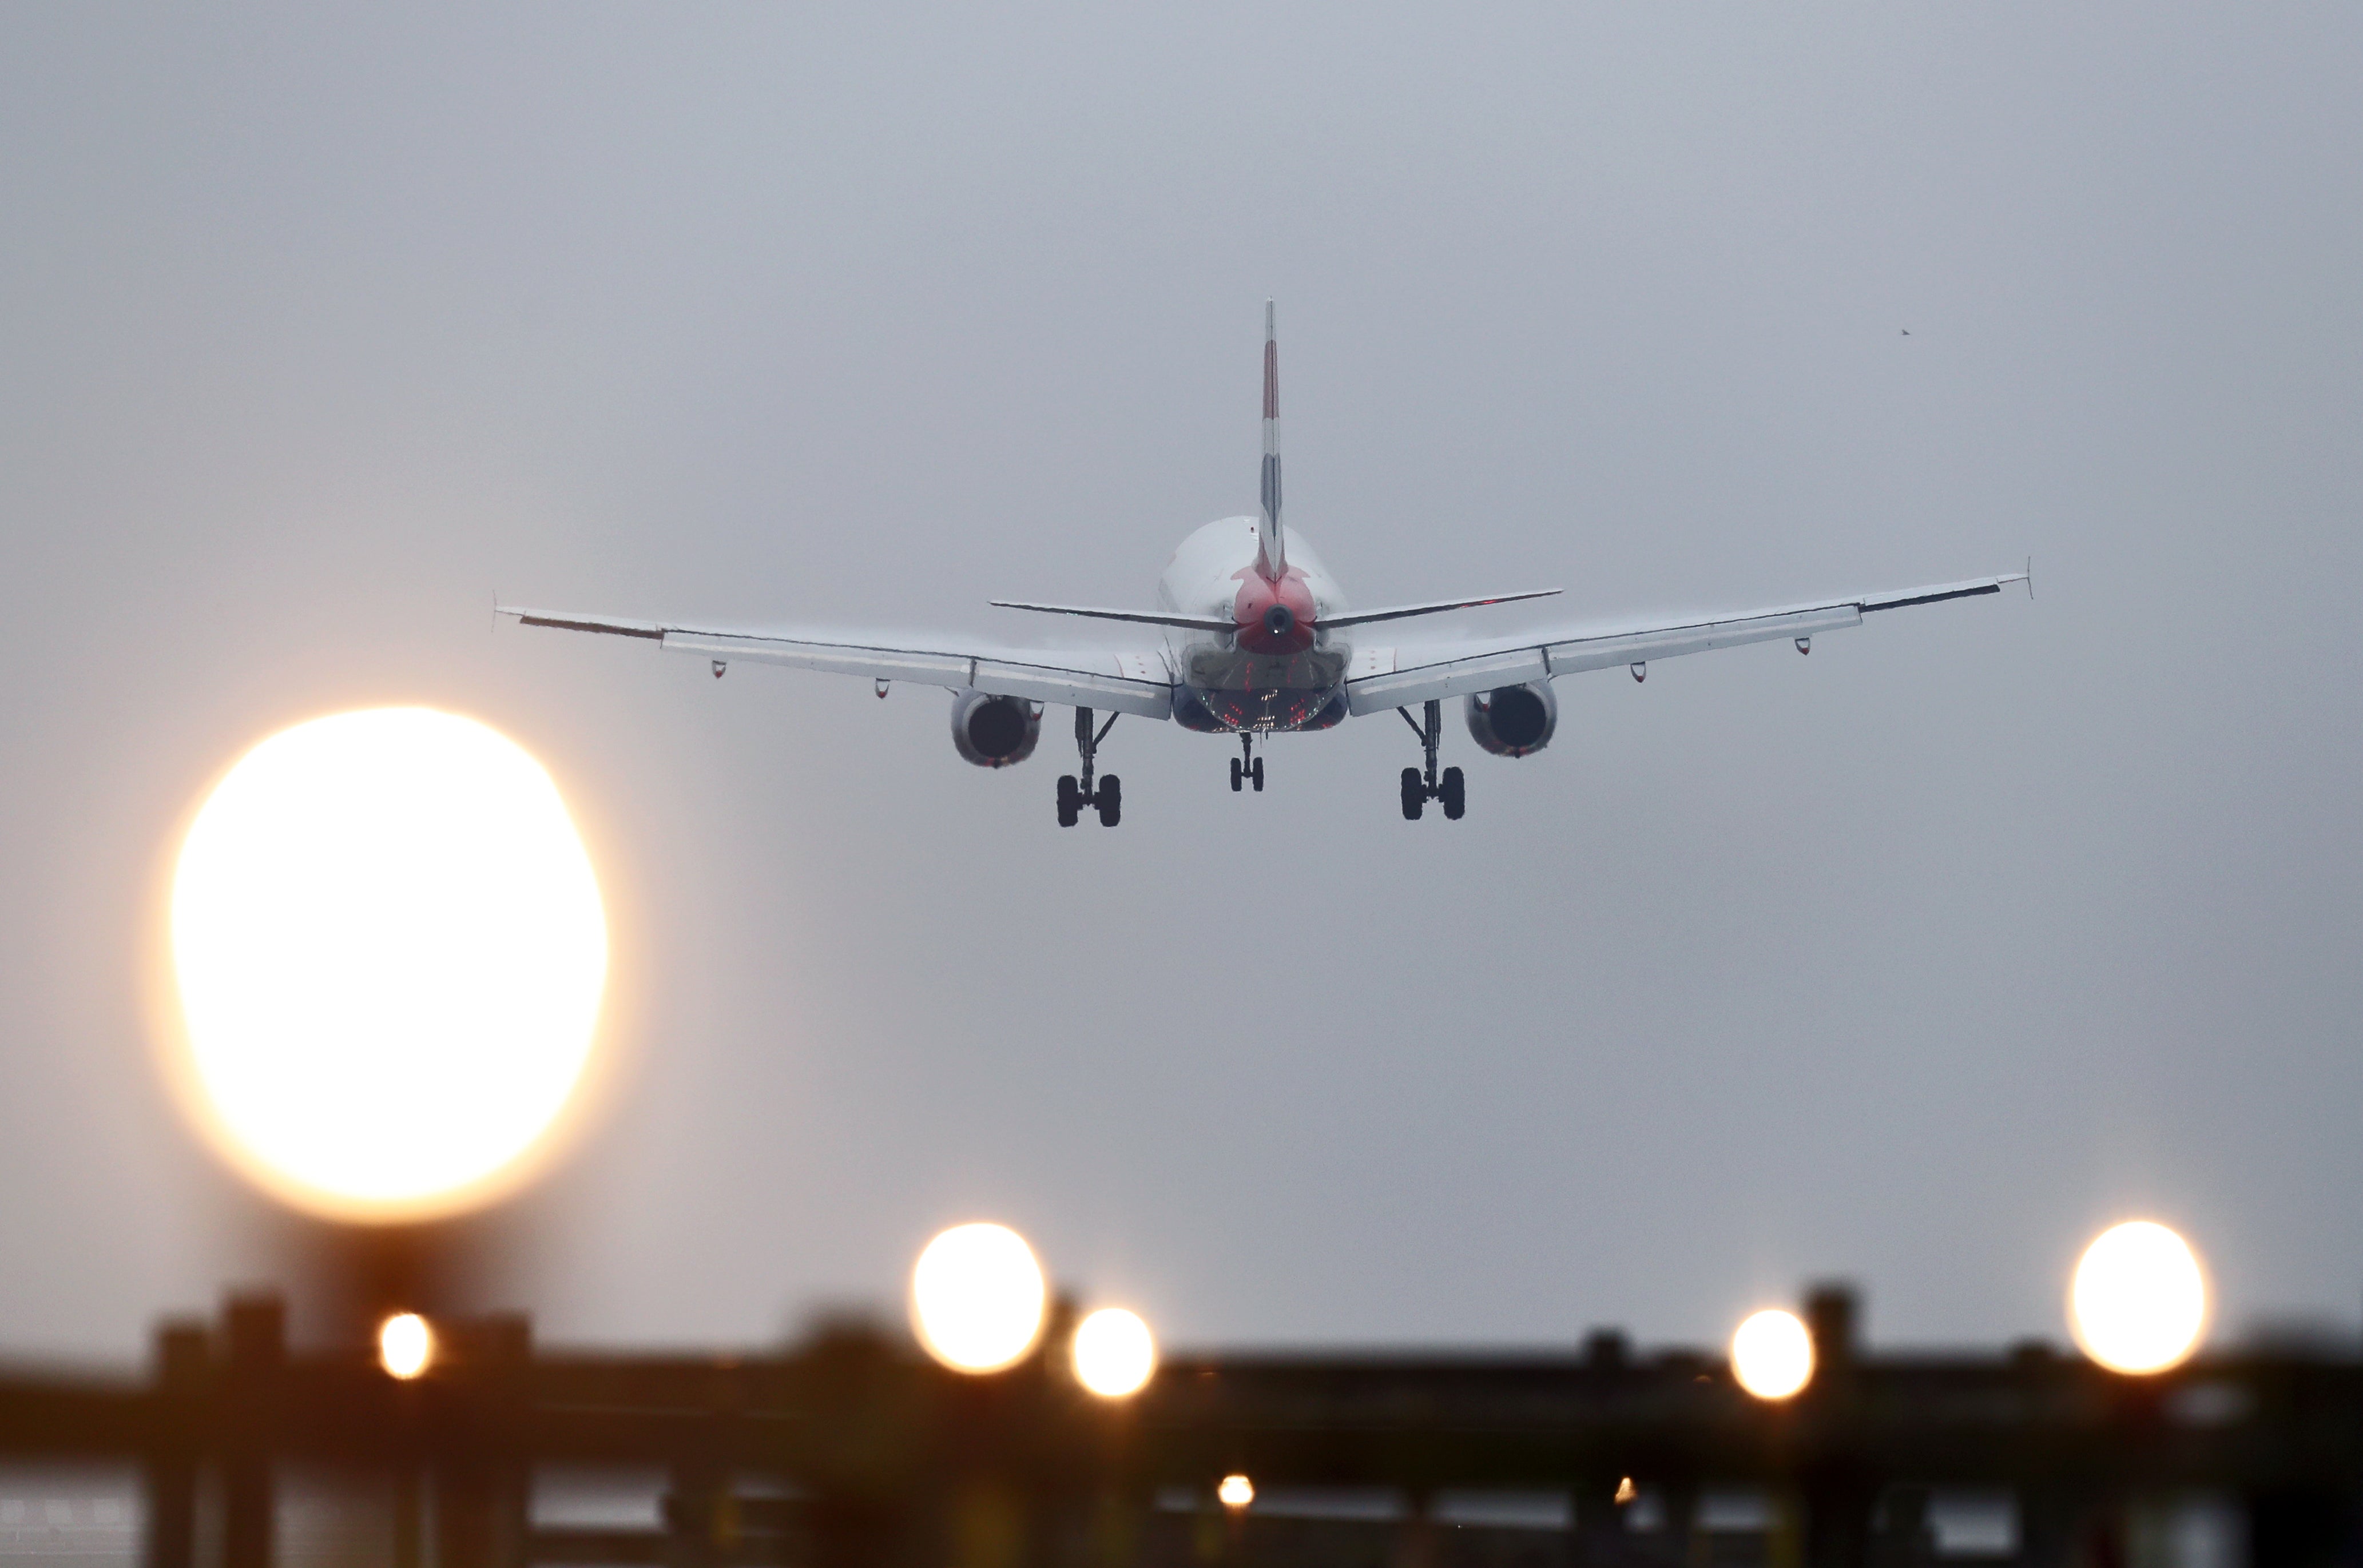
1271,544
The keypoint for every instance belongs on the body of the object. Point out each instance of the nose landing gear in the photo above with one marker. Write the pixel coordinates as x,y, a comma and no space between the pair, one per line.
1246,766
1420,787
1107,796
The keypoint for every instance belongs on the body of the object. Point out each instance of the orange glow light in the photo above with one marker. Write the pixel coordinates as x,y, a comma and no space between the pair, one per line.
1115,1354
2138,1303
1772,1354
406,1345
977,1297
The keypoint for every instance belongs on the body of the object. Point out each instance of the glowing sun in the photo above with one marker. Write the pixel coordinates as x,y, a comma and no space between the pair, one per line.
390,951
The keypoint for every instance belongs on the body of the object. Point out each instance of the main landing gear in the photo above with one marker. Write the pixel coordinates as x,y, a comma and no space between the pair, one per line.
1107,796
1247,765
1419,788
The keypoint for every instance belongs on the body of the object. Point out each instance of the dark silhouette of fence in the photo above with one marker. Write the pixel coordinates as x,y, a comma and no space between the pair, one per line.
876,1457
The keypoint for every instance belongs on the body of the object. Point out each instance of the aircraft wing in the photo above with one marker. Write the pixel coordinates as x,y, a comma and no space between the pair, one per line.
1123,682
1426,672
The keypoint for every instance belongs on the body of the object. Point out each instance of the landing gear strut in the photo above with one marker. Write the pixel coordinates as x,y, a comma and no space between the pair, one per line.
1246,766
1421,787
1107,796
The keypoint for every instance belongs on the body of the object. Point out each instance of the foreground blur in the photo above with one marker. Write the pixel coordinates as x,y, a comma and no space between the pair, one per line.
852,1447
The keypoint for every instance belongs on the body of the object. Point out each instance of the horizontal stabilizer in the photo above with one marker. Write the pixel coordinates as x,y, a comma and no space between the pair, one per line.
1399,611
1146,617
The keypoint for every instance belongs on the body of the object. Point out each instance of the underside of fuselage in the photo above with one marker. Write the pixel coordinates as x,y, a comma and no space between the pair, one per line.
1268,710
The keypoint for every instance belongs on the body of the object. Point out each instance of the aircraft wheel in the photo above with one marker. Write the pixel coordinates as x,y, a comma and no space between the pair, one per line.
1070,800
1258,774
1234,776
1110,801
1455,798
1414,794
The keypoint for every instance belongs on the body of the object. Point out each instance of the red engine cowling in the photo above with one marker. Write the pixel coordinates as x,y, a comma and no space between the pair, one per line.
994,732
1513,721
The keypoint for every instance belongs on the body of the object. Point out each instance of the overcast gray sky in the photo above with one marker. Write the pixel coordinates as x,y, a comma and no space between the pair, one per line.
1916,962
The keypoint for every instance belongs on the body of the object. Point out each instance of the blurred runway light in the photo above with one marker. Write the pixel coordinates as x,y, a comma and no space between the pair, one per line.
2139,1300
1771,1355
406,1345
1236,1492
1115,1354
389,949
977,1297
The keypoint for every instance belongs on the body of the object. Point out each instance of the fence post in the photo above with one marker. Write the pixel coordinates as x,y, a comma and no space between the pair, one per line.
1839,1492
171,1461
256,1328
482,1484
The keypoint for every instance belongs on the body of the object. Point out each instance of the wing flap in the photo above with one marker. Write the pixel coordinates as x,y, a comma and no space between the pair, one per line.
1456,677
830,659
584,622
1633,647
1129,682
1455,670
1073,688
1945,590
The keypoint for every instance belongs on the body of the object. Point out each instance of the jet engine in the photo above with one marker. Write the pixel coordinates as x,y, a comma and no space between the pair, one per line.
994,732
1513,721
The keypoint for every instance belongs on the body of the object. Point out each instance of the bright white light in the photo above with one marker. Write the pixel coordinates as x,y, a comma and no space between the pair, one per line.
1771,1355
1236,1492
1114,1353
390,951
405,1345
2139,1300
976,1297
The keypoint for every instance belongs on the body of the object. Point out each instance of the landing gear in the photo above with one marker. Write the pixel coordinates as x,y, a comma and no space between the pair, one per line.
1107,795
1422,785
1246,766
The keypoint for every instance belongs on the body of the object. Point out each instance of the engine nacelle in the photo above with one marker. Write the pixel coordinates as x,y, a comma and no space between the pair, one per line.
1513,721
994,732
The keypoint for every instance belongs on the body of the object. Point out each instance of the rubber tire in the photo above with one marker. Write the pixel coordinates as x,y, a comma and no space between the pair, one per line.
1258,774
1234,776
1110,801
1070,799
1414,794
1450,789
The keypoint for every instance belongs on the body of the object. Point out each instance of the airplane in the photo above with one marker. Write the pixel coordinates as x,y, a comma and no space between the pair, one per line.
1255,639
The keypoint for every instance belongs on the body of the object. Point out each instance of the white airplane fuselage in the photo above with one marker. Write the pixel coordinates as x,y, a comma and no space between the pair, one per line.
1277,670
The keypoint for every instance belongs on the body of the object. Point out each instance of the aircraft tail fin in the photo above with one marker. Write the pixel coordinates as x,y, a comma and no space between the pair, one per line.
1271,551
